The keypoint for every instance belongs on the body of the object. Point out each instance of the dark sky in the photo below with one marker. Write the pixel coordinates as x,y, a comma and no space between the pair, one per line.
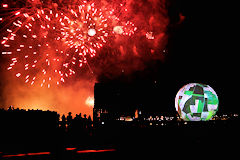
204,49
206,43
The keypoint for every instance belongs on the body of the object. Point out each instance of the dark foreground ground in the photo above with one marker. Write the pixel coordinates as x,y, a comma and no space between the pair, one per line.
127,141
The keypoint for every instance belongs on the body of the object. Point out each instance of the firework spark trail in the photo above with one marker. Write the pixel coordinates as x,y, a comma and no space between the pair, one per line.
33,45
87,29
45,44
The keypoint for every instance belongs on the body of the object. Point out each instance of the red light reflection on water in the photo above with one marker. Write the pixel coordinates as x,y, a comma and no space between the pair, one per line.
96,151
14,155
70,149
40,153
27,154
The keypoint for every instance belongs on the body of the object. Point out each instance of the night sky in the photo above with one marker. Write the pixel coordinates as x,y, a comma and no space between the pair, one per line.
201,46
205,47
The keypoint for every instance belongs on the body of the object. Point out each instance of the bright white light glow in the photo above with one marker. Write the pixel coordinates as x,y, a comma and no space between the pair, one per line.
118,29
91,32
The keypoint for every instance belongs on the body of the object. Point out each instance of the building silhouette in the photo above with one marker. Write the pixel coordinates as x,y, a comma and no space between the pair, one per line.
132,102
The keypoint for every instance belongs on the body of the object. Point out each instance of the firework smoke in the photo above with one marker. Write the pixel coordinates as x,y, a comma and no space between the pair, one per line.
127,55
64,99
133,35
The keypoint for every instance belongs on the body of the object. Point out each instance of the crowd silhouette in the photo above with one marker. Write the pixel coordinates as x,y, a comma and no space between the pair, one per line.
47,129
37,126
69,123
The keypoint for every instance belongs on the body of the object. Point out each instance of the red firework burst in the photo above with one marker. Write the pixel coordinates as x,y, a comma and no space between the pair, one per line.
44,45
34,47
84,31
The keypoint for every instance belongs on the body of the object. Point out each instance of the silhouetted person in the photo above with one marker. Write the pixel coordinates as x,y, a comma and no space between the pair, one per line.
89,122
63,118
69,119
63,123
84,121
80,115
58,120
10,108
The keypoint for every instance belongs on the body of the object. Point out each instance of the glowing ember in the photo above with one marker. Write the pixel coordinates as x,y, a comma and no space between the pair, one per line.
90,101
149,35
118,29
4,5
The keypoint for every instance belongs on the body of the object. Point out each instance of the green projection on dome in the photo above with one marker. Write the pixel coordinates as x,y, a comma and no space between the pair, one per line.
196,102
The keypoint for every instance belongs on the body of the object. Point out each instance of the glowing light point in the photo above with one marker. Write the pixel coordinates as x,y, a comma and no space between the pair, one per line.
91,32
118,29
17,13
18,74
5,5
149,35
90,101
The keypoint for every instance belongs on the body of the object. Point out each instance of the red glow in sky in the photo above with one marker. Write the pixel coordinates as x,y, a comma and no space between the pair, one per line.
54,52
